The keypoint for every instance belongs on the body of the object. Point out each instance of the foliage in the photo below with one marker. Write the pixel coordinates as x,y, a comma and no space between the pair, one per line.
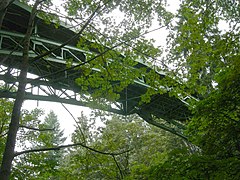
35,165
121,40
179,164
147,146
41,165
203,44
202,61
5,114
205,61
215,126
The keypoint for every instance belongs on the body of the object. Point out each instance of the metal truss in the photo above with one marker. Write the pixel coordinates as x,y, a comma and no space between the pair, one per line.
61,87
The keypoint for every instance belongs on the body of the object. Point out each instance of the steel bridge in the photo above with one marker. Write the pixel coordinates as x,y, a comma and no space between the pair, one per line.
61,85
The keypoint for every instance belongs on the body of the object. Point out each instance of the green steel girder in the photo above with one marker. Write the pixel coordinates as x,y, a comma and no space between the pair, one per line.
39,45
62,87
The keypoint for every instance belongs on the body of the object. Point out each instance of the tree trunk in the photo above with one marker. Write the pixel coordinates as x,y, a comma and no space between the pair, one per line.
8,154
3,8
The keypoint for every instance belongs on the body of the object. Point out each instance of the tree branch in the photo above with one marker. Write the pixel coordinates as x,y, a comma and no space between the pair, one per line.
36,129
150,120
80,129
121,174
2,135
57,148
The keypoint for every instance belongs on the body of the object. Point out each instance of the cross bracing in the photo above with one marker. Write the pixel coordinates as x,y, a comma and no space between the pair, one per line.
61,85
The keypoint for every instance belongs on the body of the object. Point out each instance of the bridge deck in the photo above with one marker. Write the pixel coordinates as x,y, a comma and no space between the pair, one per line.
62,87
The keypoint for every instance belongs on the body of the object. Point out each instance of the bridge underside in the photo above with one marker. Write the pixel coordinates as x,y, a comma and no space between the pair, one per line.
61,86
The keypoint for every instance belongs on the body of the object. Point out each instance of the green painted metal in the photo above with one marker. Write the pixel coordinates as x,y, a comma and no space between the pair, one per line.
63,87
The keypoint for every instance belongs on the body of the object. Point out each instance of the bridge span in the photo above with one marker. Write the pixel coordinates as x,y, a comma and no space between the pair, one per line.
51,80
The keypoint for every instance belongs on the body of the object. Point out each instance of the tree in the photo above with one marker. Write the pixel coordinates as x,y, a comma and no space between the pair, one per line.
47,134
147,144
3,8
201,48
179,164
215,126
8,154
33,134
79,161
206,59
5,114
